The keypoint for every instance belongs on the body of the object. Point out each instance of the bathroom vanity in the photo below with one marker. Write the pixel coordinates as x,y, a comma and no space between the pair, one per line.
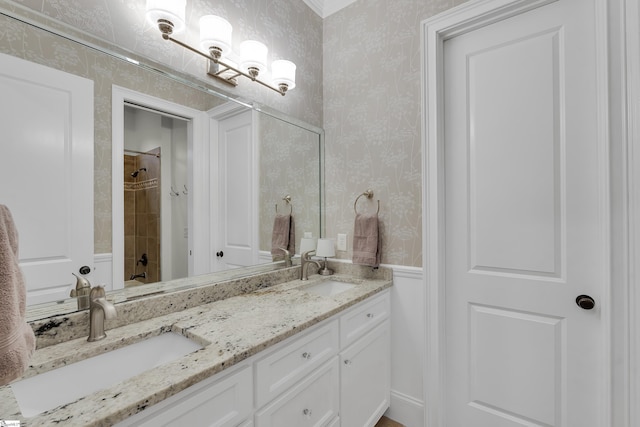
284,353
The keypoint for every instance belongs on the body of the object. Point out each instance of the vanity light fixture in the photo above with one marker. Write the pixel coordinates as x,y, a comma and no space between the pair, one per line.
215,38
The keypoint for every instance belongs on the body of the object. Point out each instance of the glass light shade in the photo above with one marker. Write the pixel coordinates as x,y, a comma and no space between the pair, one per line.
307,244
215,31
325,248
253,54
170,10
283,71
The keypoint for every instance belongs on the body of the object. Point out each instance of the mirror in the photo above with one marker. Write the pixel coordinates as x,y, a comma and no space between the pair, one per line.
289,152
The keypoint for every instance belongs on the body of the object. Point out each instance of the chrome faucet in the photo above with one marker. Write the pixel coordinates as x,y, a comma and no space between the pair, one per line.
305,260
99,310
81,292
287,257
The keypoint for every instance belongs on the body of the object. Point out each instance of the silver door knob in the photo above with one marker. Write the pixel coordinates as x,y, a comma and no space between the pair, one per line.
585,302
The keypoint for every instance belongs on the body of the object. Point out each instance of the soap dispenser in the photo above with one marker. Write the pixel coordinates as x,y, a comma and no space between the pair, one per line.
81,292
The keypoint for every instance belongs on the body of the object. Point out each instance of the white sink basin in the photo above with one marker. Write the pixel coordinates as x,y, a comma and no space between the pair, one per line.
69,383
329,288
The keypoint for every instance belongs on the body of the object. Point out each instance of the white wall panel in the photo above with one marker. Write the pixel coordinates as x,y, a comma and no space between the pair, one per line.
407,346
516,361
516,148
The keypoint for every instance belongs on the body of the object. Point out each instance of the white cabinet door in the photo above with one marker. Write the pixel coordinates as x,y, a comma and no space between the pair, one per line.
46,171
365,379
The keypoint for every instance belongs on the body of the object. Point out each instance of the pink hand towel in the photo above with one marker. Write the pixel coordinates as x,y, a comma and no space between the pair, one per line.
283,236
366,240
17,341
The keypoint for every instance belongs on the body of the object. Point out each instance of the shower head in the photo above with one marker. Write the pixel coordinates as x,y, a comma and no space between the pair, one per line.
135,174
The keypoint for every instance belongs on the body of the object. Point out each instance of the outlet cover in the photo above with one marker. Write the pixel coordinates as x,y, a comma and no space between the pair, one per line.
341,242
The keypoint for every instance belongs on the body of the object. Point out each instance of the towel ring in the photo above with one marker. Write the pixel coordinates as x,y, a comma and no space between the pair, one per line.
369,195
287,200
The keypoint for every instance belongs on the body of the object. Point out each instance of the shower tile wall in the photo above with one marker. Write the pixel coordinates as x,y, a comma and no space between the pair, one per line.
142,216
129,216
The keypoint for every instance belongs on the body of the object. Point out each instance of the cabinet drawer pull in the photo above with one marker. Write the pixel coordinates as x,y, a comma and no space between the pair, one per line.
307,413
347,362
306,355
369,315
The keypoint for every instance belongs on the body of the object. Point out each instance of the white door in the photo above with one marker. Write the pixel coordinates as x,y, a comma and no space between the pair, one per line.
237,218
525,192
46,171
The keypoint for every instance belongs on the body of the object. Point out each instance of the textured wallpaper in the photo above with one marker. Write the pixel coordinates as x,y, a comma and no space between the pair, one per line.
289,28
371,80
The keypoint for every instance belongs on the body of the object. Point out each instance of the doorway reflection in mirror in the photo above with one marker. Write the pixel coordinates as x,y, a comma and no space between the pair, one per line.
141,217
155,160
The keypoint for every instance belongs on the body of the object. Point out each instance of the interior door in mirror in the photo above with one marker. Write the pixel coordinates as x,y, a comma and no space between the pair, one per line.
46,169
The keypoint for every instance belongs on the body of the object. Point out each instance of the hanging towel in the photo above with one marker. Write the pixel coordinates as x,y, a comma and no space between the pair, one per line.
366,240
283,236
17,341
291,245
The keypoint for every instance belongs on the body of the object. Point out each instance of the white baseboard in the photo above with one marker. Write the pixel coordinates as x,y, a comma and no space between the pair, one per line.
406,410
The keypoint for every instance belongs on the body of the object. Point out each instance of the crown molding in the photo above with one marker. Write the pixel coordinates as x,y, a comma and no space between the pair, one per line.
325,8
316,6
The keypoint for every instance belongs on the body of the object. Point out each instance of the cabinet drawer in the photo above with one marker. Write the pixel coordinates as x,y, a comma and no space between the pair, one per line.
283,368
311,403
363,318
223,402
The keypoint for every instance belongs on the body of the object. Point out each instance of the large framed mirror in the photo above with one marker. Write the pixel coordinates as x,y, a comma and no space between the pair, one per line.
166,146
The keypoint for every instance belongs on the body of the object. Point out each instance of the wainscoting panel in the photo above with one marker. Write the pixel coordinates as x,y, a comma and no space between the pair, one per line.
407,346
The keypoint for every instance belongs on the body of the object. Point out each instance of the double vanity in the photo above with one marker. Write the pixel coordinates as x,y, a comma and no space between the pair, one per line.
264,350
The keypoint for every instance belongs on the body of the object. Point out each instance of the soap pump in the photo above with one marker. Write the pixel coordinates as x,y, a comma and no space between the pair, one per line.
81,292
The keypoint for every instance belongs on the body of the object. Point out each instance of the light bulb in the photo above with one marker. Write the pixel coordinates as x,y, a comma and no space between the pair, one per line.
215,32
172,11
253,56
283,72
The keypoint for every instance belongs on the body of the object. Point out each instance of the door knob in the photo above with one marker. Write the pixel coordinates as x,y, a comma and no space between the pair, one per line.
585,302
220,254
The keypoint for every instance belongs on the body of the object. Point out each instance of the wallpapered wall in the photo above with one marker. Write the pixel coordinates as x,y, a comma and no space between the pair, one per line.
371,77
289,28
38,46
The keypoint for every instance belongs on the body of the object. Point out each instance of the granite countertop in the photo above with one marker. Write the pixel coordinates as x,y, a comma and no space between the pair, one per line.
230,329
